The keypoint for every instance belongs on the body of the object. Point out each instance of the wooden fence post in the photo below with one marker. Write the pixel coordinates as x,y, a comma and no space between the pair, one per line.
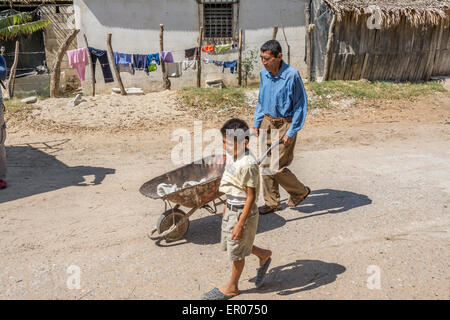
326,73
240,59
56,71
308,40
12,74
91,65
117,73
166,81
199,67
275,31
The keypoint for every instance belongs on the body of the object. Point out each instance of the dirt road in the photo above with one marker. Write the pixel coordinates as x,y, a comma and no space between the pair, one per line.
376,225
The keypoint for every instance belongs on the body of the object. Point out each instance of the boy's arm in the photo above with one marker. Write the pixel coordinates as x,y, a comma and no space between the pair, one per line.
239,227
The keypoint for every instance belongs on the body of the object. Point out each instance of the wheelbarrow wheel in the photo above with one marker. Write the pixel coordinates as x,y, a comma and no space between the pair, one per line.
167,219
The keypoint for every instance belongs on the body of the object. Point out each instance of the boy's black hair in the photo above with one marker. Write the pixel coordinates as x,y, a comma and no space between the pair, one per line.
237,127
274,47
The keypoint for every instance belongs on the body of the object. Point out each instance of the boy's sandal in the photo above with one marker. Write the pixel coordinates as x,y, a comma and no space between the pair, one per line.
215,294
261,273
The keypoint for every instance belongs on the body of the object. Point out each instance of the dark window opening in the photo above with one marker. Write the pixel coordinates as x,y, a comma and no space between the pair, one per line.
218,20
57,9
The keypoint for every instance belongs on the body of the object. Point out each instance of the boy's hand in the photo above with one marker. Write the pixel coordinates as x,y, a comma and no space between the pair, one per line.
238,230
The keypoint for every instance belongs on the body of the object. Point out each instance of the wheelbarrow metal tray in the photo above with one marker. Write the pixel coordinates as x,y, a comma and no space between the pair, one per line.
196,196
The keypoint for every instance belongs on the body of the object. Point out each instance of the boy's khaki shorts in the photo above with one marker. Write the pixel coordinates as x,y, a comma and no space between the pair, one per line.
239,249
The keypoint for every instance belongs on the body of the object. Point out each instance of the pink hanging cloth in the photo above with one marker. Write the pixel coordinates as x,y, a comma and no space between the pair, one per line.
78,59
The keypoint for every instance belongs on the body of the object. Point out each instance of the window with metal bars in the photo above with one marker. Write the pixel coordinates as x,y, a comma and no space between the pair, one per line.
218,20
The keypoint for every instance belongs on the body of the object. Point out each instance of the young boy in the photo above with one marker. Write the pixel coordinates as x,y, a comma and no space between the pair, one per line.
240,183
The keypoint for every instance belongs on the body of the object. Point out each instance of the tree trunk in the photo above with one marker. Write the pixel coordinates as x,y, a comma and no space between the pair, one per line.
56,70
12,74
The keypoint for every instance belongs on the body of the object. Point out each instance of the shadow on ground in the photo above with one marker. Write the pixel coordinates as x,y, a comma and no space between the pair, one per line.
32,169
206,230
298,276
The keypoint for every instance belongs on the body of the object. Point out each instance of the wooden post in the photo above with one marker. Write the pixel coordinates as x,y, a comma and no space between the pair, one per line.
288,46
117,73
12,74
166,81
240,59
326,73
91,65
308,40
56,70
275,30
199,67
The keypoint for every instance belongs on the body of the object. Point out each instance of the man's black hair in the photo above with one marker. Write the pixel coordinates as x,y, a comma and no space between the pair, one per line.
237,127
274,47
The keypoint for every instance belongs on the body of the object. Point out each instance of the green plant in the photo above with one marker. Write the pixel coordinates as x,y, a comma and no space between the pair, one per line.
250,58
18,24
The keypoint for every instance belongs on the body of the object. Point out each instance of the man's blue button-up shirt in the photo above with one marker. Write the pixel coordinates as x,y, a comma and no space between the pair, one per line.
282,95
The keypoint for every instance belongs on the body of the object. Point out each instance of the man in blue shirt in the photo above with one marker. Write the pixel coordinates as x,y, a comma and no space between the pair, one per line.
2,127
282,106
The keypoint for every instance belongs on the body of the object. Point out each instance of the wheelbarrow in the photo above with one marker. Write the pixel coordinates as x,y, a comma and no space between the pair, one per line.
173,223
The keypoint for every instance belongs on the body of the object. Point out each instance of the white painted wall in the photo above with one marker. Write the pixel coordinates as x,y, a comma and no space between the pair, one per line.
134,25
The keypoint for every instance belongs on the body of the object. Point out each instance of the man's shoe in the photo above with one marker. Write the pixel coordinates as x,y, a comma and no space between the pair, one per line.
3,184
265,209
295,202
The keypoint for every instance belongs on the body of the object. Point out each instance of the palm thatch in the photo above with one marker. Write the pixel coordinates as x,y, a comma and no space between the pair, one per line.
416,12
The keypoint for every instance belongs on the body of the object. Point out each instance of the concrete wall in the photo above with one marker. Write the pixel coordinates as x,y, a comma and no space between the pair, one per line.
134,25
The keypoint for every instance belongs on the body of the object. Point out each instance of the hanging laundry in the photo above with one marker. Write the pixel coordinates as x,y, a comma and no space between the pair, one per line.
151,67
151,57
78,59
230,64
208,61
222,48
124,62
167,56
218,63
208,49
187,64
139,61
102,57
192,53
173,69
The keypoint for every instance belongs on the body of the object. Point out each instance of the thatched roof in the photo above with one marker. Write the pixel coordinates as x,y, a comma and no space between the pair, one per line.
417,12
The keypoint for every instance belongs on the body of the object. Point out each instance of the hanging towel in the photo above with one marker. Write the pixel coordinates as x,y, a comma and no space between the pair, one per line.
102,57
208,61
151,57
230,64
78,59
151,67
167,56
124,62
222,48
139,61
173,69
189,64
192,53
208,49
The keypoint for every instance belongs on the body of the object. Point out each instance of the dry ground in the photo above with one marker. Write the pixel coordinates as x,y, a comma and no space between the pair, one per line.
380,175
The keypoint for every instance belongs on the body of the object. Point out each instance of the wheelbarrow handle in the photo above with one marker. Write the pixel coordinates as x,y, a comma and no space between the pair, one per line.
261,159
